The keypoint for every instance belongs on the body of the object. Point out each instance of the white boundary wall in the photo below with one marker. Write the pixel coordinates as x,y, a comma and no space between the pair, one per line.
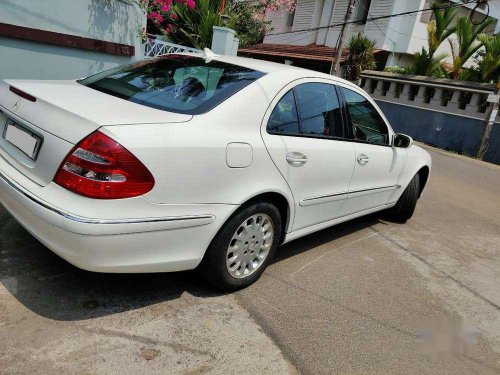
115,21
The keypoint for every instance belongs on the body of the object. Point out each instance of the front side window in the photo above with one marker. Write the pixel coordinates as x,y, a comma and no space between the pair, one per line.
175,83
367,124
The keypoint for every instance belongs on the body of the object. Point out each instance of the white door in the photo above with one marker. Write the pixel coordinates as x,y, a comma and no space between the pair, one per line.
378,165
303,133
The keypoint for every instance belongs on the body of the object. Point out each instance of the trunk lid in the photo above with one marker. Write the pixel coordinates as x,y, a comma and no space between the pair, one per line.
63,113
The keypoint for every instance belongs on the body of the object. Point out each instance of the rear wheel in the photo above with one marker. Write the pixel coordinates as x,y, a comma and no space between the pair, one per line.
404,208
243,248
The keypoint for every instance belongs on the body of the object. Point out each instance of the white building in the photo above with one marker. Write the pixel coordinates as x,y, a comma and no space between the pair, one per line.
399,36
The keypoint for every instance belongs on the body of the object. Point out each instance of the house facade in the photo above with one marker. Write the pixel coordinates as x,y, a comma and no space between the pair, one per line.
400,37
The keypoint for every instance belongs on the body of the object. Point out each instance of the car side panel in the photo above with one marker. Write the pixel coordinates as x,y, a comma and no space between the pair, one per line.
189,160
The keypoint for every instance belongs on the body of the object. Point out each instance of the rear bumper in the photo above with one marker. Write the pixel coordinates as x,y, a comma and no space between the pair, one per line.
144,244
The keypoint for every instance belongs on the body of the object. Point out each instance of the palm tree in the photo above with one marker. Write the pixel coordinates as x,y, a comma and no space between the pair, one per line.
193,27
489,66
426,65
466,44
360,56
439,29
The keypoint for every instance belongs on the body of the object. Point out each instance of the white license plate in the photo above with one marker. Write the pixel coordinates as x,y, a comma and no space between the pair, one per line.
22,138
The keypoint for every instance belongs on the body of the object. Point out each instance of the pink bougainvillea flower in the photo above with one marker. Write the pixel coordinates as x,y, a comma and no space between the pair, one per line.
155,16
165,8
191,4
277,5
174,16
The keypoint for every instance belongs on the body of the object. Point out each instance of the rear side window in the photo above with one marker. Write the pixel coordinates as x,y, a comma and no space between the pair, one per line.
309,109
176,83
367,124
284,118
319,109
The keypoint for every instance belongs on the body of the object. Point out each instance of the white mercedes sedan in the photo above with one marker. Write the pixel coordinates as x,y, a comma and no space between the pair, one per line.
197,161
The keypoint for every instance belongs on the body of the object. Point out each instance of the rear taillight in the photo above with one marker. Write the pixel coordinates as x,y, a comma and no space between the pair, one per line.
99,167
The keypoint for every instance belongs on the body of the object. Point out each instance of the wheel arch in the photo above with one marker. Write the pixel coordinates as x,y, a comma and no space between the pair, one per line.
423,177
282,203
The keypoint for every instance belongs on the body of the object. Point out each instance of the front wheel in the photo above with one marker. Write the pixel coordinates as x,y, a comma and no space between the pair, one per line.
243,248
404,208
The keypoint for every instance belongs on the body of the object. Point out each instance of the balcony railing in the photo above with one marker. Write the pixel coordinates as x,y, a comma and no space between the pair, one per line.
466,99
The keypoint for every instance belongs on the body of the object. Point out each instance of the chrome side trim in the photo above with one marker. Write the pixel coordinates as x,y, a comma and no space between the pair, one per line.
333,197
373,190
322,199
88,220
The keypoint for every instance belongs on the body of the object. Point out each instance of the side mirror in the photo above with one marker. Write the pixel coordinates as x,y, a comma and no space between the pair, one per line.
401,140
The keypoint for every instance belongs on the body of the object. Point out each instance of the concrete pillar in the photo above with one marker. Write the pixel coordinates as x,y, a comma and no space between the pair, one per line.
453,102
472,109
420,97
435,102
222,41
379,90
407,92
391,93
372,86
236,44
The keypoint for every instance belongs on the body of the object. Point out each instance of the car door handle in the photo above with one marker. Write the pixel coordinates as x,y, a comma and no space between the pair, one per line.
296,158
363,159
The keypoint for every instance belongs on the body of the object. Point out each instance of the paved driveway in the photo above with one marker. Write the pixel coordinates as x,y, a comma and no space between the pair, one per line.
365,297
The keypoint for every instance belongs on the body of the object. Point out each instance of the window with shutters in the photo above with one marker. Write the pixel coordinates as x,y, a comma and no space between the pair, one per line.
361,12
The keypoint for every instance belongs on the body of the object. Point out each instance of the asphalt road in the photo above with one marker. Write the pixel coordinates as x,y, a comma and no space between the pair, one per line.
365,297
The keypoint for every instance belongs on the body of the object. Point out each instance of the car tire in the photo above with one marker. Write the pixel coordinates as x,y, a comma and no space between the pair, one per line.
239,240
404,208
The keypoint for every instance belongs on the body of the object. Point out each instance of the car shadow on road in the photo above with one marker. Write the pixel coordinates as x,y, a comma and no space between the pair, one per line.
54,289
316,239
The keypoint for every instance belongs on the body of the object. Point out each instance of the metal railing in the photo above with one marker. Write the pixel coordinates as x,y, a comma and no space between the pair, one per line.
157,47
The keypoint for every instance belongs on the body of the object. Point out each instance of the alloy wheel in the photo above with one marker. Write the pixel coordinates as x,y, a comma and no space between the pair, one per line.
249,246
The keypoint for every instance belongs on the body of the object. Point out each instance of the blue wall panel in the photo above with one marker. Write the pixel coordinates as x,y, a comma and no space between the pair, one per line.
443,130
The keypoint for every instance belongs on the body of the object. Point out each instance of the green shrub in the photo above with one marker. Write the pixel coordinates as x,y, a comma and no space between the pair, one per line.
248,20
396,69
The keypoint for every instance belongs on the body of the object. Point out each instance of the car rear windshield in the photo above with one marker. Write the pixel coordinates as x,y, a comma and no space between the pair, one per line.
175,83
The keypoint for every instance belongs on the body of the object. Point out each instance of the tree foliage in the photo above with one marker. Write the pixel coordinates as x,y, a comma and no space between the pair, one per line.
360,57
193,27
248,20
426,65
466,43
396,69
190,22
440,27
489,65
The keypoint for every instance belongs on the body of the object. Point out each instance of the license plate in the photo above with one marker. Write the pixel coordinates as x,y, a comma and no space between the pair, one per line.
22,138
